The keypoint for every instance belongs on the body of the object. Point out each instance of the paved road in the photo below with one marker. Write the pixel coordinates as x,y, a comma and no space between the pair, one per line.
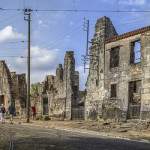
36,138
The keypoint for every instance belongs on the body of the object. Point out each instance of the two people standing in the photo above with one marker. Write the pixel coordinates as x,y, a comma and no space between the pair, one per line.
11,111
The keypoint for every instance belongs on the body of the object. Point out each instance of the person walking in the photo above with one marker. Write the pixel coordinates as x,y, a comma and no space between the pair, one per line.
33,112
11,110
2,113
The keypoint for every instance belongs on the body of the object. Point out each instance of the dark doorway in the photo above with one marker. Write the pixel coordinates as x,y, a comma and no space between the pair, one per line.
45,106
2,99
134,103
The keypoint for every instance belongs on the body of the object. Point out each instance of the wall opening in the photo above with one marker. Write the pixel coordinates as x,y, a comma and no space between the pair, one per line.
114,57
45,106
2,99
134,99
113,92
135,56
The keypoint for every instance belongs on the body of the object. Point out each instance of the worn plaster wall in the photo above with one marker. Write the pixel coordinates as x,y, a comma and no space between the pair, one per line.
121,75
19,88
62,90
98,100
5,85
145,93
95,82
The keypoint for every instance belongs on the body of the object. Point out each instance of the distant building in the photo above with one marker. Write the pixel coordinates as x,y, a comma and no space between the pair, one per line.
59,96
12,88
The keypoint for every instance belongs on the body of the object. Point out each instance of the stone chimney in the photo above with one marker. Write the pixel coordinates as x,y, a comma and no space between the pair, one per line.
69,69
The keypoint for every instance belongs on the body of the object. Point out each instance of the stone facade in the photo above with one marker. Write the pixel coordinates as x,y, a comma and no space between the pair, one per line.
118,85
95,82
19,87
12,88
60,93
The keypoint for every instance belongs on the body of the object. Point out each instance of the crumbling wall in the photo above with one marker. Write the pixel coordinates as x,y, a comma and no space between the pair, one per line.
69,72
5,85
62,90
113,64
121,76
19,88
95,82
12,88
145,91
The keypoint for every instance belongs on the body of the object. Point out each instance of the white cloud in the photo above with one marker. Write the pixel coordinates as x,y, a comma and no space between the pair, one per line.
8,33
41,58
43,62
132,2
40,22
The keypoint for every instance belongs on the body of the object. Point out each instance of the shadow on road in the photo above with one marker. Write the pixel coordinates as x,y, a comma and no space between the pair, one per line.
73,143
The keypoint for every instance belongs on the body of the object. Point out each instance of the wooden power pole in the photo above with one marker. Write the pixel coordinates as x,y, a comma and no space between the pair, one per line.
27,13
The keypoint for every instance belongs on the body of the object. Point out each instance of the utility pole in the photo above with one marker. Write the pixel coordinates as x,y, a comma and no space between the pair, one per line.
86,28
27,17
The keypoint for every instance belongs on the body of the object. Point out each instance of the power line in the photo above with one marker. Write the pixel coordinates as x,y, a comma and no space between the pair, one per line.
6,56
77,10
15,42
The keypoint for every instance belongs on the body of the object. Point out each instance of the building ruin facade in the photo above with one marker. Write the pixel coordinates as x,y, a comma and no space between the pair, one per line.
59,96
12,88
118,84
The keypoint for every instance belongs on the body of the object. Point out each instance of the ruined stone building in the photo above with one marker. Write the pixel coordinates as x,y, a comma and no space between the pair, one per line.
12,88
118,84
59,96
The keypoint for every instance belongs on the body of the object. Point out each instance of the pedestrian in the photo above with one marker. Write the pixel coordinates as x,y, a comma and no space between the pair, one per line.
33,112
11,110
2,113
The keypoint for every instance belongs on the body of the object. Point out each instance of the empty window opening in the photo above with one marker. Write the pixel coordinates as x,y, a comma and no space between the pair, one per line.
97,82
134,92
134,104
135,52
45,106
113,93
114,57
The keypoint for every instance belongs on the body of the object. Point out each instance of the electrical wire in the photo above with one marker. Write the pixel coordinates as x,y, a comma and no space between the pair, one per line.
61,36
77,10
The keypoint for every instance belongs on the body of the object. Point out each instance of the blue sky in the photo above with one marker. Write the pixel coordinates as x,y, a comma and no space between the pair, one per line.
53,33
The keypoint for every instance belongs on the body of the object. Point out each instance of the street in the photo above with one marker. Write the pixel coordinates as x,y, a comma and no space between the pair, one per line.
23,137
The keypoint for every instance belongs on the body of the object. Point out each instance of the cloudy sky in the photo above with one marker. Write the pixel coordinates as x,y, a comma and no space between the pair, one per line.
55,32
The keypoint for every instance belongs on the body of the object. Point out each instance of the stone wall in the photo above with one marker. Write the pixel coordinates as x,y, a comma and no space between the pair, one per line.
61,91
95,82
99,102
145,93
12,88
6,93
